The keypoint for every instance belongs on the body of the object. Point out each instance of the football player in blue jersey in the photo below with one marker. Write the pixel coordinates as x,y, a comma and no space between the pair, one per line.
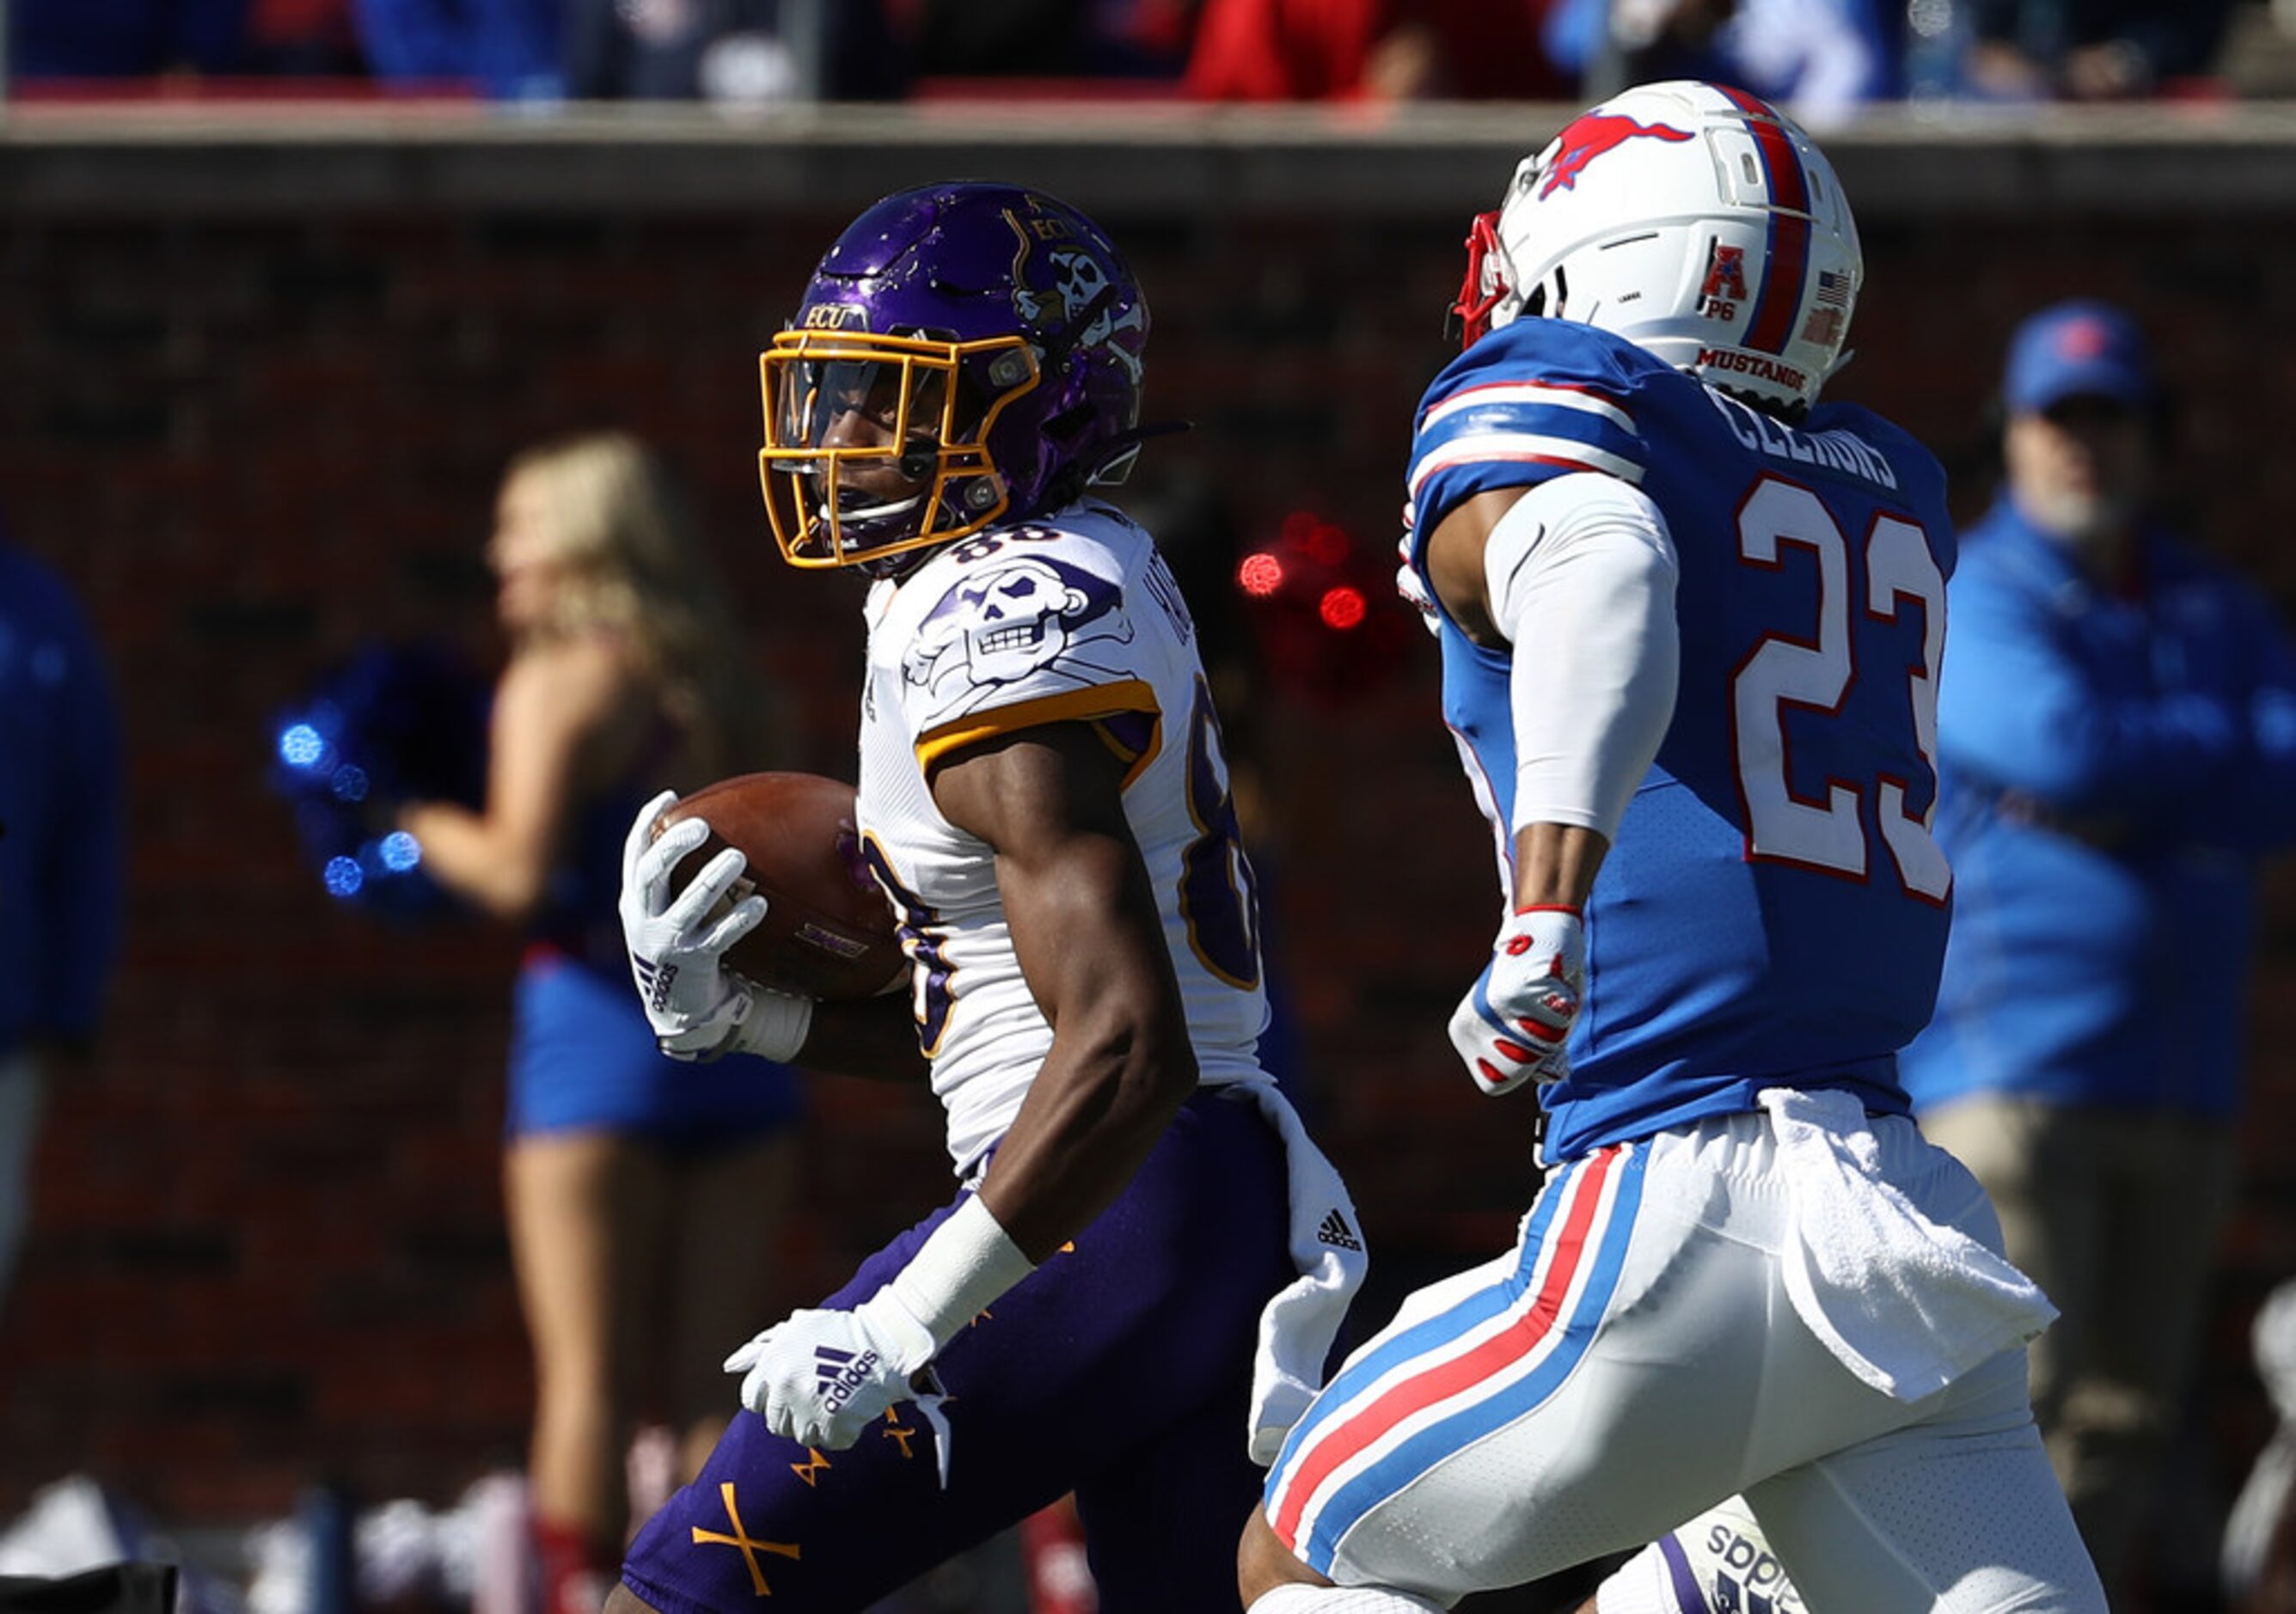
1690,624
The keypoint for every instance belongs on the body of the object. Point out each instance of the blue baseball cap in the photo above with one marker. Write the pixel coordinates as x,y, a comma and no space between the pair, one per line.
2078,349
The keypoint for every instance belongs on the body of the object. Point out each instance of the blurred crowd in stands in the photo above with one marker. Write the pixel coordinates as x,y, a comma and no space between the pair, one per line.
1825,57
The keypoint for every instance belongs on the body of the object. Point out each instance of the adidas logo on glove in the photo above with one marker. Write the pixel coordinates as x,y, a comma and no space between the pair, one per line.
1336,1233
658,981
837,1374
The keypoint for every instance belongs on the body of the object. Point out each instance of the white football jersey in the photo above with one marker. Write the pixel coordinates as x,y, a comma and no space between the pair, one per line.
1072,618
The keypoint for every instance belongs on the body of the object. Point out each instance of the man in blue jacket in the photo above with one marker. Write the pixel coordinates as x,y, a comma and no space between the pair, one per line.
2117,733
59,859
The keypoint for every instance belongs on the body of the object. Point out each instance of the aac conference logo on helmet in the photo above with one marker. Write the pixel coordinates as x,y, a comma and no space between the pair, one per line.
1592,137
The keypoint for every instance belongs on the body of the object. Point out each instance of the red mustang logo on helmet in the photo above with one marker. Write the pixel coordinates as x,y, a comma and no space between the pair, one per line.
1591,136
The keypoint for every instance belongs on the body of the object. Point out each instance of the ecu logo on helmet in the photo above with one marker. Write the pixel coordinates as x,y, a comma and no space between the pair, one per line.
836,317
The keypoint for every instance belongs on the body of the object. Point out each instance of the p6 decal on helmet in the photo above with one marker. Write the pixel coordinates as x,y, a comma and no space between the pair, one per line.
966,353
1693,219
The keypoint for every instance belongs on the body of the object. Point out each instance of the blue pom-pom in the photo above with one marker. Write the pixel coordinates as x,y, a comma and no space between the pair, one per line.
395,723
301,746
343,876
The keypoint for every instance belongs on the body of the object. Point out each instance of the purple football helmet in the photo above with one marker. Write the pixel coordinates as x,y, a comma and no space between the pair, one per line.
988,341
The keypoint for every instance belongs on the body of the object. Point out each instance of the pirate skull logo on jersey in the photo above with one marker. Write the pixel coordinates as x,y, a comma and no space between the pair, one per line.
1027,616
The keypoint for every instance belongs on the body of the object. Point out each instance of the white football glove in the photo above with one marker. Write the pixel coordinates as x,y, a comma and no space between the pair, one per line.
697,1008
1514,1023
821,1378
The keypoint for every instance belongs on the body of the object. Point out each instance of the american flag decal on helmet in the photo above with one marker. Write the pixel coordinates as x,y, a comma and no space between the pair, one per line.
1829,307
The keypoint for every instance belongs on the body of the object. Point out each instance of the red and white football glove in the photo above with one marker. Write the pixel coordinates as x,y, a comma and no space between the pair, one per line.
1514,1023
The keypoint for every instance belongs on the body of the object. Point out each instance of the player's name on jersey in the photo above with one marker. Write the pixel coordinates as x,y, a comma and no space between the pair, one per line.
1835,450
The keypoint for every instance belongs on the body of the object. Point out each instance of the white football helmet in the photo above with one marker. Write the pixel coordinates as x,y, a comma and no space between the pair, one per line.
1695,220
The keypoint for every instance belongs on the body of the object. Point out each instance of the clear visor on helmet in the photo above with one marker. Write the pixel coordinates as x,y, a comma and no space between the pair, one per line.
875,444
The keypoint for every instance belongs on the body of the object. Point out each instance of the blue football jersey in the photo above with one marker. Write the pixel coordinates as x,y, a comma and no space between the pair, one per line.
1774,910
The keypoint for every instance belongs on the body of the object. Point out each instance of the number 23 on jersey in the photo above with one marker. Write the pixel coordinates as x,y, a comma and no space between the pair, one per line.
1782,523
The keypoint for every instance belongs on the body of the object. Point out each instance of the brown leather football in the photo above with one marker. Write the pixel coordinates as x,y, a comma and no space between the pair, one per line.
828,930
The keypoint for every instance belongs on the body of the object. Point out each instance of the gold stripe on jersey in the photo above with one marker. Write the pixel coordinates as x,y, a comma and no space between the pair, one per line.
938,744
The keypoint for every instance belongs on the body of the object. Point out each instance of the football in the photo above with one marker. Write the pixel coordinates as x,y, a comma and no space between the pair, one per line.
828,930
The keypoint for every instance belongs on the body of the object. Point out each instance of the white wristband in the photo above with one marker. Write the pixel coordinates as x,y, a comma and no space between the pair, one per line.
967,1262
776,1025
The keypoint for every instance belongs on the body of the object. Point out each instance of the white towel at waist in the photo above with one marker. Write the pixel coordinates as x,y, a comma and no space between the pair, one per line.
1298,1327
1906,1304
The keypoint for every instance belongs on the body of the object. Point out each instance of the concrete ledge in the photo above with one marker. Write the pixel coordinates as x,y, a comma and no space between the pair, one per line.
1416,163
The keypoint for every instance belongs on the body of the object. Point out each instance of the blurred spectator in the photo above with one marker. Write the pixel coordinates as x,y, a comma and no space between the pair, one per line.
509,49
2117,740
735,51
2091,50
1822,58
60,861
629,1175
123,39
303,38
1371,50
144,39
2259,1558
1051,39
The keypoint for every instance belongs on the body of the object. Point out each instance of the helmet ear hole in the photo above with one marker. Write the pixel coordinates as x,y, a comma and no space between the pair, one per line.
1547,296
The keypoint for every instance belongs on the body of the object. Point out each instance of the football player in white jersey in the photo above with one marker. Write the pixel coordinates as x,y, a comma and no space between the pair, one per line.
1133,1293
1690,620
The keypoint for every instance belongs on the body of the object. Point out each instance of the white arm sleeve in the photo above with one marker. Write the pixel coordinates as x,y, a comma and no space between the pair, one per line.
1581,575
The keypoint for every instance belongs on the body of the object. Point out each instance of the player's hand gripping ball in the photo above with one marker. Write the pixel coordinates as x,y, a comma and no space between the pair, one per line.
779,913
1513,1025
826,930
679,943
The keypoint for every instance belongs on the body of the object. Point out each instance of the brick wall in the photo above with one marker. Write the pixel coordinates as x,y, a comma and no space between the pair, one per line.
267,1240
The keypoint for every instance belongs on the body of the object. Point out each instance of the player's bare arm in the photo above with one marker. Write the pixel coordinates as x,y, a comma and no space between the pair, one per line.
553,706
1573,581
1455,563
1084,922
1554,864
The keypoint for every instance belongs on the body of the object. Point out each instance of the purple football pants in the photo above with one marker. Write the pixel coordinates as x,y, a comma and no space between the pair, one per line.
1121,1369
